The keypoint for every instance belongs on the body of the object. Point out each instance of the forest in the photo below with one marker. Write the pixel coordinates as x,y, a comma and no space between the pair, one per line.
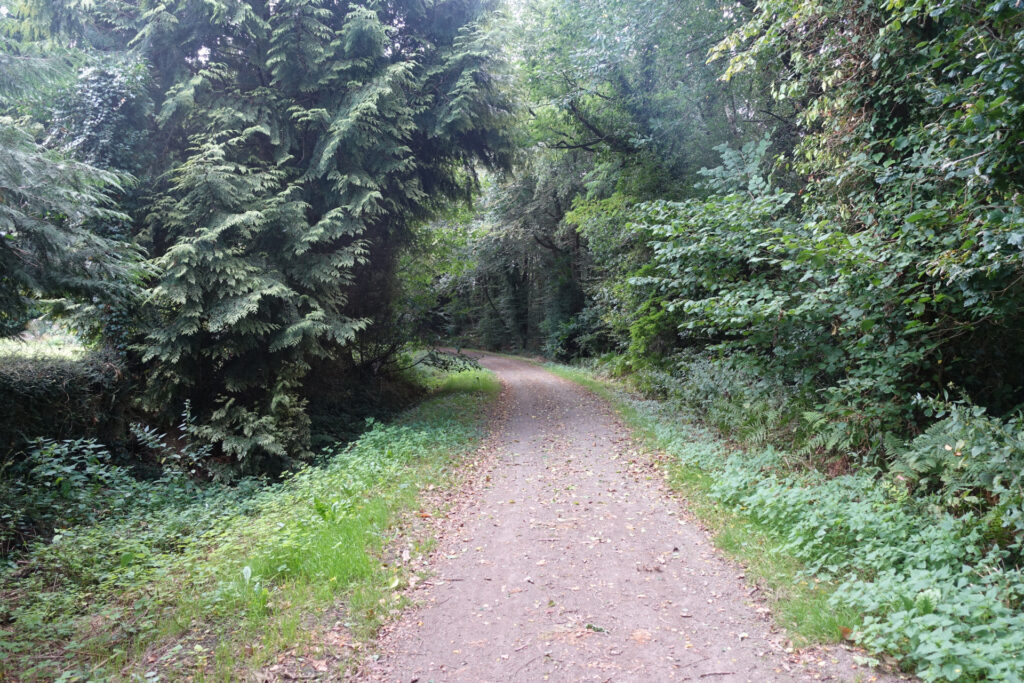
244,243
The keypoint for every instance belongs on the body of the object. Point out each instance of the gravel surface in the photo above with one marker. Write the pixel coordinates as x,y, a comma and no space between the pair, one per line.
566,559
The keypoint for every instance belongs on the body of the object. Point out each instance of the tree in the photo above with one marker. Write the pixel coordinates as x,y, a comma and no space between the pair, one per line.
301,141
623,108
50,204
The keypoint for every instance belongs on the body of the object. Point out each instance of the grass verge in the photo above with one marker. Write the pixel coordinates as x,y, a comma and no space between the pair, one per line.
854,555
211,582
799,604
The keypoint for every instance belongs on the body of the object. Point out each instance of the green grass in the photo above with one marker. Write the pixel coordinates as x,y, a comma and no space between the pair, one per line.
468,382
851,554
220,587
798,604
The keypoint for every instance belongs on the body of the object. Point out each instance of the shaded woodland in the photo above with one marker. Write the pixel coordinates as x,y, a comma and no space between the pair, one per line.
230,230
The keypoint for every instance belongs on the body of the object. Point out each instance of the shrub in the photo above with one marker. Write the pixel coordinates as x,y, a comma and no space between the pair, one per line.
81,394
583,335
972,465
56,485
967,453
729,392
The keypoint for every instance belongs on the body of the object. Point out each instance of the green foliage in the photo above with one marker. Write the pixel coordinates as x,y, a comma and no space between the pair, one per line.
59,484
622,108
630,84
285,153
970,460
187,455
51,485
909,220
729,393
939,586
526,283
743,271
46,247
930,585
141,563
103,118
60,395
857,247
303,141
584,335
430,272
50,203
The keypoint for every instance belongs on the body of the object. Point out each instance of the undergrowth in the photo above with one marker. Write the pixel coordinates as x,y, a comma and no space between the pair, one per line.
58,389
906,562
209,580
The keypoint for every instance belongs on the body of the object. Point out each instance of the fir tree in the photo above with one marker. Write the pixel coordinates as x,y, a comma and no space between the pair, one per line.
49,204
318,134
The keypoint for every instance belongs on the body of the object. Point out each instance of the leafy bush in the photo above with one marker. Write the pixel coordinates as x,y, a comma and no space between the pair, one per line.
60,484
57,485
969,460
79,394
738,272
889,265
581,336
729,392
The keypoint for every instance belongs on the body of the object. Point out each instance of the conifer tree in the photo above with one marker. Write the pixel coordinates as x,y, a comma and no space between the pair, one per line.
49,203
303,139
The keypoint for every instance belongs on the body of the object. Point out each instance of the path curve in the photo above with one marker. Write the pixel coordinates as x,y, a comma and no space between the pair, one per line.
570,562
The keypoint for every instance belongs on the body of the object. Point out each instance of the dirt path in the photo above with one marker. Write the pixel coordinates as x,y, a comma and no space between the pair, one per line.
571,563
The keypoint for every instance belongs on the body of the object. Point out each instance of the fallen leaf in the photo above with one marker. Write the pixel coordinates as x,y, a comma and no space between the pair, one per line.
641,636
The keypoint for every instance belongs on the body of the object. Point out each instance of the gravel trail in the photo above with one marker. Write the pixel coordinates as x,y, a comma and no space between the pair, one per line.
569,561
